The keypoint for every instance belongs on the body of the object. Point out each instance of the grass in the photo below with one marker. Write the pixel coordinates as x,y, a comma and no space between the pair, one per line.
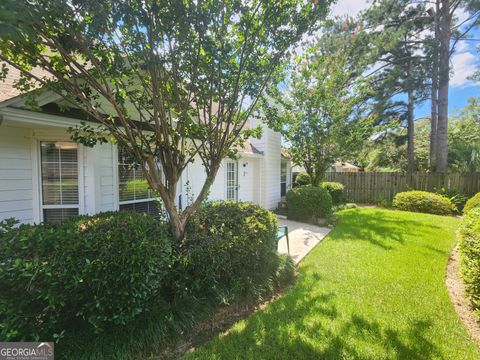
373,289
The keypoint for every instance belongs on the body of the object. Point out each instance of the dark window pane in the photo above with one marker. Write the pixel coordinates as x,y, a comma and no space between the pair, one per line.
58,215
149,207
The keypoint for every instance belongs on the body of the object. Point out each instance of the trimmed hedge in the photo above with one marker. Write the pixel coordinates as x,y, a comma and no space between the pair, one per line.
472,203
302,179
424,202
308,203
335,189
230,252
122,273
87,271
470,250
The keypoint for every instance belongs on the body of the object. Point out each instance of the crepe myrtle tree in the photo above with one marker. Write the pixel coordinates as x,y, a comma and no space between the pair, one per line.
181,77
318,108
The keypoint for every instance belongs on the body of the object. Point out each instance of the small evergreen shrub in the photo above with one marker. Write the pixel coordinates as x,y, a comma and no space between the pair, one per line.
302,179
424,202
229,253
91,271
335,189
470,250
472,203
457,198
285,273
308,203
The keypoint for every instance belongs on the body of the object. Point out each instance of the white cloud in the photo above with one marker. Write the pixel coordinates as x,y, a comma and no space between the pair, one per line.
461,46
464,65
461,15
349,7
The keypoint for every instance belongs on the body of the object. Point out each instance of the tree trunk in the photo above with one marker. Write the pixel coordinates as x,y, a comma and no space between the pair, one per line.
433,121
410,133
444,34
312,175
434,95
177,219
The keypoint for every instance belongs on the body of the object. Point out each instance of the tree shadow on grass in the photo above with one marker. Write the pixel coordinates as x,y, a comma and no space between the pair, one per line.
306,324
381,228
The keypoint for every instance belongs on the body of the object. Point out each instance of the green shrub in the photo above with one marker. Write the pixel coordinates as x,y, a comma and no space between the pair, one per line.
383,203
87,271
423,201
457,198
229,252
302,179
472,203
335,189
470,250
308,203
285,273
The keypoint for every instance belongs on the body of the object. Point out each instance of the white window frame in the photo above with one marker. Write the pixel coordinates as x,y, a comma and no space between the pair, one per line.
235,163
38,206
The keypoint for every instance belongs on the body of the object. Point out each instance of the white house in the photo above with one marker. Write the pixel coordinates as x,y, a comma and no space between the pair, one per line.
44,176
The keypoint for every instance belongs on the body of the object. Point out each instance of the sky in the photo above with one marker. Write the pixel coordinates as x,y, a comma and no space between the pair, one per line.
464,61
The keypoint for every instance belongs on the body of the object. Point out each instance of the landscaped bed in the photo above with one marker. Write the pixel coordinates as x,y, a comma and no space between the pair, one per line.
373,289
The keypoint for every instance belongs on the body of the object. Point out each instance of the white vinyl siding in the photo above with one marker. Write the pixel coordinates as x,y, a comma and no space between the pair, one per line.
15,174
270,144
107,173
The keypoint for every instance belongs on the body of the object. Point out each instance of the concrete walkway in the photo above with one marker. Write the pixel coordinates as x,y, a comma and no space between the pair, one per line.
303,238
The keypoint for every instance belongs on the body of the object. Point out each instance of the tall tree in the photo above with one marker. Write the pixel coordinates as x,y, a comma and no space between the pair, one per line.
446,36
432,52
316,108
400,76
387,152
182,78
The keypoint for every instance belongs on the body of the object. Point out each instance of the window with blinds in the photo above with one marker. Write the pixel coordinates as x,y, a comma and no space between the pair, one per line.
134,192
59,171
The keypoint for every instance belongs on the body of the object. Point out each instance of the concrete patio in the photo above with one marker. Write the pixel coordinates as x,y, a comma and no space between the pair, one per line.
303,238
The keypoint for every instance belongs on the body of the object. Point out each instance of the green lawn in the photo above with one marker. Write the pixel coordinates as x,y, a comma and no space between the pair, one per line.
373,289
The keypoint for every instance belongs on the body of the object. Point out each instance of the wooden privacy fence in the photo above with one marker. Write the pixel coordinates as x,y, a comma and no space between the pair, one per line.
371,187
